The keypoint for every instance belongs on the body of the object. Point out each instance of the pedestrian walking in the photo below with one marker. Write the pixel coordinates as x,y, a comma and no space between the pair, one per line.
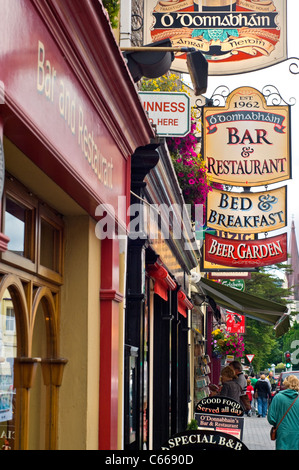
285,407
262,392
253,380
250,393
230,387
241,380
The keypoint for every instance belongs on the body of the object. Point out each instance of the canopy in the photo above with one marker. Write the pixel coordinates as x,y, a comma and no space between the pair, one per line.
249,305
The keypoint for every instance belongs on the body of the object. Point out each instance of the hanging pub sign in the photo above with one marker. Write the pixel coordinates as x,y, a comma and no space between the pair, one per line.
229,275
247,212
227,271
220,414
235,323
247,142
183,444
246,254
238,284
169,112
235,36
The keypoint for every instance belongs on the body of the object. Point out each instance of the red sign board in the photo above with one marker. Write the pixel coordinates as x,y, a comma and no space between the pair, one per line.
50,91
247,254
235,323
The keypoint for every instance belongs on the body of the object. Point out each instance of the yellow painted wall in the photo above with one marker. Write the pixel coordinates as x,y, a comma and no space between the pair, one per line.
80,333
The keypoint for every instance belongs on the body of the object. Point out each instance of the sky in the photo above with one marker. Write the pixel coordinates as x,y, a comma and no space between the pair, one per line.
287,84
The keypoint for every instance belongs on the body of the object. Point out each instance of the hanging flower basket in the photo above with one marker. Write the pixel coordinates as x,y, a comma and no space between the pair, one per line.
184,151
224,344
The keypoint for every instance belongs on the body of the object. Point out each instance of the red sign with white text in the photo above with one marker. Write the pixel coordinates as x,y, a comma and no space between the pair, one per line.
247,254
43,87
235,323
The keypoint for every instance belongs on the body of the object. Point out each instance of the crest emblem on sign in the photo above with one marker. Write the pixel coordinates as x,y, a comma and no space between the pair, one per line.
234,35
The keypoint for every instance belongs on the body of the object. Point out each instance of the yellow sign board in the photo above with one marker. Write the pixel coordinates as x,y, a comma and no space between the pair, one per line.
247,142
247,212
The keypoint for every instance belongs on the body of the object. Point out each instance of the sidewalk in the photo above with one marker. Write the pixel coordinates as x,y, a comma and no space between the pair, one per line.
256,434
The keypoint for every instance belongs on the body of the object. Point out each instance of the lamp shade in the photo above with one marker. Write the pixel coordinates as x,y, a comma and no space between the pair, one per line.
198,70
149,64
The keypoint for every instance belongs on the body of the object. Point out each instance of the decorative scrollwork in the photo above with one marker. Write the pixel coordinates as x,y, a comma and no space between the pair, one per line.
219,95
274,98
294,66
218,98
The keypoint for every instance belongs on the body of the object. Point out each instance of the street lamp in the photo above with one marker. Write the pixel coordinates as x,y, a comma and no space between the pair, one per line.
154,60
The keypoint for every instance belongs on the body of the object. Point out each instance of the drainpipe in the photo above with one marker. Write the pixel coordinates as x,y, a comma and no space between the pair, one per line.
125,34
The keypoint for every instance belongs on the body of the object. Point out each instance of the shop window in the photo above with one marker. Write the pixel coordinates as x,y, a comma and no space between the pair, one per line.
19,213
50,244
35,232
8,349
18,222
10,320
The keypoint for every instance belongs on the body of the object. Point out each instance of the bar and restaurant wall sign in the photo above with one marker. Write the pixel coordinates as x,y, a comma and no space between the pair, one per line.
247,212
246,254
247,142
235,36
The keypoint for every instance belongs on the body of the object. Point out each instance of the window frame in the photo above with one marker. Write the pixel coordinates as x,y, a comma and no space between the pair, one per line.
39,210
17,193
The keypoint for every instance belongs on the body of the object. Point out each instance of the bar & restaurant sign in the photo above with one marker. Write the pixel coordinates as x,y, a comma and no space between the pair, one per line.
247,142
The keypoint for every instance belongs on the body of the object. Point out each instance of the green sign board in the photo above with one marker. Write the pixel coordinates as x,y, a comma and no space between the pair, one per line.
235,283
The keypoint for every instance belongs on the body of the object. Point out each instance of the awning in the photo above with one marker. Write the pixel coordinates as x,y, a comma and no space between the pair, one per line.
163,280
249,305
183,303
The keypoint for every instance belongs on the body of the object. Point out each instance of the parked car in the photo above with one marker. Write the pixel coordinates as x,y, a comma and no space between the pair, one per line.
283,376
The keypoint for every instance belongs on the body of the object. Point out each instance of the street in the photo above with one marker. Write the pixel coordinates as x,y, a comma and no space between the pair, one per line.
257,434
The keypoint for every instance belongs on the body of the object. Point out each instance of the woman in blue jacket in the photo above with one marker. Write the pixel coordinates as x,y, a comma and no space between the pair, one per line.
287,433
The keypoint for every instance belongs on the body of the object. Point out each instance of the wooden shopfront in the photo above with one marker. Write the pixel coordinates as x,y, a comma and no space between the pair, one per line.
70,121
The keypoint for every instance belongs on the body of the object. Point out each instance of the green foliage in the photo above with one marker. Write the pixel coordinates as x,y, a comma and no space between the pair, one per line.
193,425
187,161
260,338
112,7
288,339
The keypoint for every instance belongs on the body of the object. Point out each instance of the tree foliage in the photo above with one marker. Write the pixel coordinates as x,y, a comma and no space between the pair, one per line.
112,7
260,338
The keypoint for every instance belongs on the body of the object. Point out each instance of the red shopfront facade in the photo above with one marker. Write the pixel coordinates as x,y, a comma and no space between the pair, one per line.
71,112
